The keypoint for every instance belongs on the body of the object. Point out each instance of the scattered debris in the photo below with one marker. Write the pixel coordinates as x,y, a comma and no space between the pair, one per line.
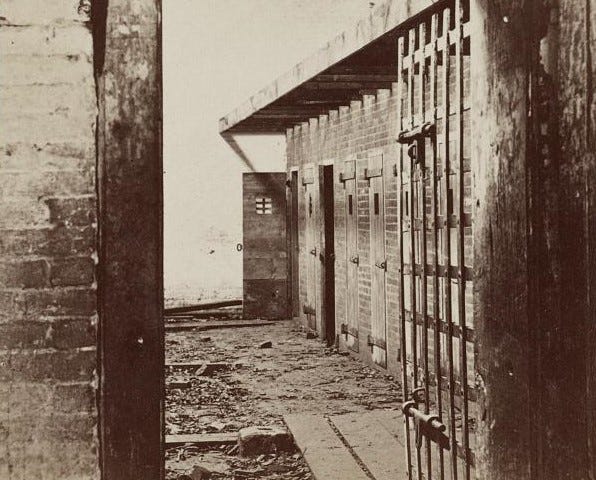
204,368
264,439
236,385
197,473
179,383
219,426
310,335
267,344
248,473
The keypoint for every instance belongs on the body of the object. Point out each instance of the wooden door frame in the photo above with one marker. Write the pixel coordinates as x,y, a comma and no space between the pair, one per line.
378,177
352,333
327,254
293,244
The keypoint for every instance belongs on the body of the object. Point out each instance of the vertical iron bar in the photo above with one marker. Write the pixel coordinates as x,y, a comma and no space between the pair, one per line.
434,207
447,245
421,194
461,281
410,162
403,324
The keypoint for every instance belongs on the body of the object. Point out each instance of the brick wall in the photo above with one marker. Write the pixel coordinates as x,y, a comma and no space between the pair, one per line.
47,242
355,131
359,132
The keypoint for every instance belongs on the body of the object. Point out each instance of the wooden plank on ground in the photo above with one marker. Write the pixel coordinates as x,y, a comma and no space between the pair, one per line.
202,439
202,306
374,444
176,326
326,455
205,314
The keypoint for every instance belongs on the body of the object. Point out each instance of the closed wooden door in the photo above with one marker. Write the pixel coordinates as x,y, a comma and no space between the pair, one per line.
311,252
352,259
378,336
265,267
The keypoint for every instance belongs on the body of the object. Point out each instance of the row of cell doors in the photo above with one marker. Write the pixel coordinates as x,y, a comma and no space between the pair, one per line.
434,247
320,258
435,339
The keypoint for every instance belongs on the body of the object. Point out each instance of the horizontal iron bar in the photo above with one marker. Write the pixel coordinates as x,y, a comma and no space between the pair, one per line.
468,273
470,334
423,130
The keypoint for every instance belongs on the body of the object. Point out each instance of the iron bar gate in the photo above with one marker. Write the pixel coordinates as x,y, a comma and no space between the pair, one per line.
437,331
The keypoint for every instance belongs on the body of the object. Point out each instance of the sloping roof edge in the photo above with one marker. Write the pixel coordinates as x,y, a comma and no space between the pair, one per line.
386,17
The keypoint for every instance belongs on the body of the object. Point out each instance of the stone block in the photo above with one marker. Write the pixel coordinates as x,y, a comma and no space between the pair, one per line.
257,440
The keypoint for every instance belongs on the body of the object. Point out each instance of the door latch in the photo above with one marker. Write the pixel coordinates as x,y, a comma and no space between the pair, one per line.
415,140
426,425
355,260
382,265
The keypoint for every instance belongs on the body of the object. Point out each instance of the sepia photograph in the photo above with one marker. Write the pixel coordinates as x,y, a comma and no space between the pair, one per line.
297,240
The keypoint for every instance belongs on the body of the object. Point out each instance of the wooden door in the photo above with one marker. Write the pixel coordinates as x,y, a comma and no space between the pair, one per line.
265,266
378,336
327,254
352,259
294,246
311,251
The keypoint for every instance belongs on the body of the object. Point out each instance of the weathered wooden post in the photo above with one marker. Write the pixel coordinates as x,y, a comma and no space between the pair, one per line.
534,243
130,234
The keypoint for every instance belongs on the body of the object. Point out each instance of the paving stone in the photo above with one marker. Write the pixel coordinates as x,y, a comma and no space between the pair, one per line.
374,443
326,455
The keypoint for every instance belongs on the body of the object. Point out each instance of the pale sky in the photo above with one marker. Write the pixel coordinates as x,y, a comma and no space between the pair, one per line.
216,53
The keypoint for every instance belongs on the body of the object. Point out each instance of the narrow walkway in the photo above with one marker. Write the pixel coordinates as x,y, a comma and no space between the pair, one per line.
222,380
352,446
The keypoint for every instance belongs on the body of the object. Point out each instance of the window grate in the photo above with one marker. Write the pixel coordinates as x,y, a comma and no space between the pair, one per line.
264,206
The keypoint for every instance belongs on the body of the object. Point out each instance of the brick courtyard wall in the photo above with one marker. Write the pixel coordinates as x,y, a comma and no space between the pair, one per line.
48,298
353,132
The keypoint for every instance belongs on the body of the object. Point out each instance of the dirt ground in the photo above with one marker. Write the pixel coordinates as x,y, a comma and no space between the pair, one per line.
294,375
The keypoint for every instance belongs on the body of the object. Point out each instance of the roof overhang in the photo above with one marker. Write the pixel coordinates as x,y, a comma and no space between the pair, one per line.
359,61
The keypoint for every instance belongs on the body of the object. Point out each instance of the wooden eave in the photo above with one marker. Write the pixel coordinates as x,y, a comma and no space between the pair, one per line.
357,62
